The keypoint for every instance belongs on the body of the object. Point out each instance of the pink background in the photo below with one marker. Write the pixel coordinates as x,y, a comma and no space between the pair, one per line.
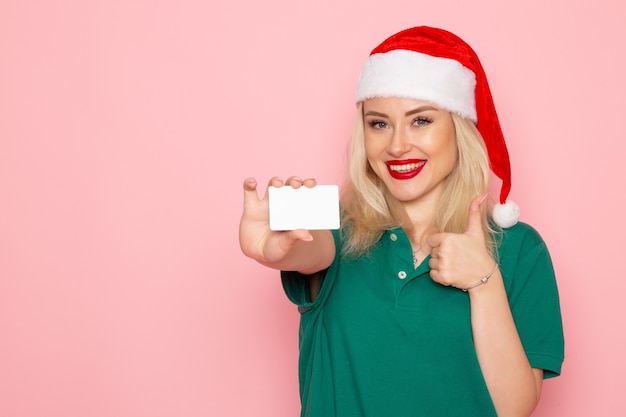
128,126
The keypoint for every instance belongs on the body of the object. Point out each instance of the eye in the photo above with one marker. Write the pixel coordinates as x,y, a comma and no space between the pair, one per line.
377,124
422,121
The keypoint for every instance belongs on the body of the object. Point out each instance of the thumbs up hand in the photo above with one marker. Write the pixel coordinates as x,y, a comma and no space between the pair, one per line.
461,259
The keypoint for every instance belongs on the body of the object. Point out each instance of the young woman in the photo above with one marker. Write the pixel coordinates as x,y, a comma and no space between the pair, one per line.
425,302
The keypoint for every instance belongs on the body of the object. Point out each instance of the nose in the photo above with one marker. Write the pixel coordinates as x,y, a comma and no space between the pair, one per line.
399,143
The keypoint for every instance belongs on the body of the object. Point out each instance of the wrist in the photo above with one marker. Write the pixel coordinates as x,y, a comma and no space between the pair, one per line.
483,280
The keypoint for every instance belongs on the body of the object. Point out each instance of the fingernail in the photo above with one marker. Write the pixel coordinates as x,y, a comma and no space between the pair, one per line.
482,200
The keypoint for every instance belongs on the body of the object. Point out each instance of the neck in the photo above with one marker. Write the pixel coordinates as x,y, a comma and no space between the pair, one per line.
421,214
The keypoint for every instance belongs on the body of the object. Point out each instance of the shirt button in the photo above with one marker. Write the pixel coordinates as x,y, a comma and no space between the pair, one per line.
393,237
402,275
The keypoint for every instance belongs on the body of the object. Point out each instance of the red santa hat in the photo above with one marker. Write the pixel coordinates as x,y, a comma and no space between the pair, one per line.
437,66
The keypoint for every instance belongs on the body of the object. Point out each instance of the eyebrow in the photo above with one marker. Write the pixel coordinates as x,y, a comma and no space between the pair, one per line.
409,113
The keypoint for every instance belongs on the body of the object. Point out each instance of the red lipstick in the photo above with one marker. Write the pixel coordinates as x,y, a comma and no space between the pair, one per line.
405,169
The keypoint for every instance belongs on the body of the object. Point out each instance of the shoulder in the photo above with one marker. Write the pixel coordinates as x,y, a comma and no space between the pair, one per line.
520,235
521,246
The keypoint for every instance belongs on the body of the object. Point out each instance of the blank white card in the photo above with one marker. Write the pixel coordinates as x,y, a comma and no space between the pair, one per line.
315,208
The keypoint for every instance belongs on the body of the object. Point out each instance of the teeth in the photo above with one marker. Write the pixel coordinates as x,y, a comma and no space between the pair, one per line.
406,167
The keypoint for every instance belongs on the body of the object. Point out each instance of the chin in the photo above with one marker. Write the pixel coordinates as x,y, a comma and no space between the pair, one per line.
404,196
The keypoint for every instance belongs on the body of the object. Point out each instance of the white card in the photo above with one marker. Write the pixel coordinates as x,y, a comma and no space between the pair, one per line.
314,208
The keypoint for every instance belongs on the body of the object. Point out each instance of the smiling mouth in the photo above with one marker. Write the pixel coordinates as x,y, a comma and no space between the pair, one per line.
403,170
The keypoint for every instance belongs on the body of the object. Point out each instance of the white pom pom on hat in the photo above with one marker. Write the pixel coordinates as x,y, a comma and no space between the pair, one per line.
505,215
437,66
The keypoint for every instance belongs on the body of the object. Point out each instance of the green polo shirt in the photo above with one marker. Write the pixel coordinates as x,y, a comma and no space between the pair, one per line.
383,339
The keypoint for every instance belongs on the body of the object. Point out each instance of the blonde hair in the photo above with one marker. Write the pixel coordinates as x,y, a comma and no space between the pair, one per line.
369,209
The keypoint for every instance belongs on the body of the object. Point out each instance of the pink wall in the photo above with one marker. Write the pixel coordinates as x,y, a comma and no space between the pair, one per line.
127,127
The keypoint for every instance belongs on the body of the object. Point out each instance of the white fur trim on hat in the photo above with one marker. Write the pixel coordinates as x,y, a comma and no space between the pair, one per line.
408,74
505,215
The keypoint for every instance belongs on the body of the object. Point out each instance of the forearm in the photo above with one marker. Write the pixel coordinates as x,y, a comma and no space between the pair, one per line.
514,386
306,257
